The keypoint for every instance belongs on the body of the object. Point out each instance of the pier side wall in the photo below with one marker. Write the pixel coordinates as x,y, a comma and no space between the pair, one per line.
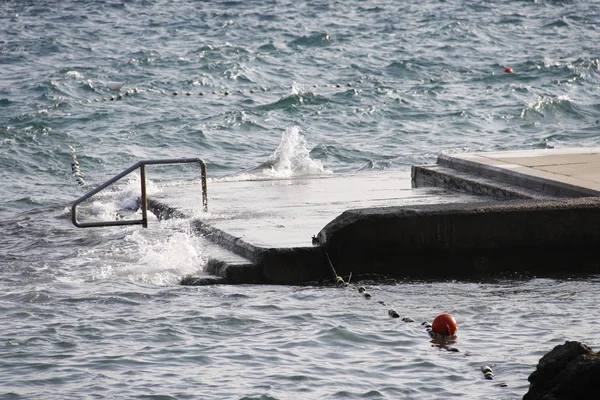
460,240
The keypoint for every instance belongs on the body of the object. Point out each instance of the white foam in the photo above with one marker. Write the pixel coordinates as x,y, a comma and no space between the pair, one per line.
164,259
299,89
541,103
292,157
74,74
159,256
115,85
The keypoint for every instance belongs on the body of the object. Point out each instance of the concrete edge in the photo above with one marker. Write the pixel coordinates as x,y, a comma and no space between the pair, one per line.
296,265
232,243
219,271
163,211
439,176
467,239
283,265
544,185
215,235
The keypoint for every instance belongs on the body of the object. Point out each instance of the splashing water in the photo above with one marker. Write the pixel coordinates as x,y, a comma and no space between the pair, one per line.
292,158
160,256
298,89
164,261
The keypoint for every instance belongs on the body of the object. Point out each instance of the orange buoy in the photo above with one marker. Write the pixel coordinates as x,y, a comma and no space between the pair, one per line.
508,70
445,324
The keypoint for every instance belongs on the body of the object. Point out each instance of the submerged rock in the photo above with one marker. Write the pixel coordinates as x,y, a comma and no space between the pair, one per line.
569,371
196,280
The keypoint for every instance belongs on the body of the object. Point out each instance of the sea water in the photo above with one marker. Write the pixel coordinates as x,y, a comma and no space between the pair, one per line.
263,90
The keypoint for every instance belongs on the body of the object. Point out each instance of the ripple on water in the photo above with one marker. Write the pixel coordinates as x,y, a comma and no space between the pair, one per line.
98,313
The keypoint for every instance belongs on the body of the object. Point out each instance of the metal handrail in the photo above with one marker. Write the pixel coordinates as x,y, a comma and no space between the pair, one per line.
142,166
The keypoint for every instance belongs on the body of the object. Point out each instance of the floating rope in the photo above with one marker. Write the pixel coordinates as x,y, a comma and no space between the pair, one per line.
428,327
442,344
76,171
339,281
487,372
130,92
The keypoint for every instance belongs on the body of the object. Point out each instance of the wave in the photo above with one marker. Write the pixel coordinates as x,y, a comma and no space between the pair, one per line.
570,70
363,159
301,95
546,106
410,68
320,39
559,23
290,159
160,256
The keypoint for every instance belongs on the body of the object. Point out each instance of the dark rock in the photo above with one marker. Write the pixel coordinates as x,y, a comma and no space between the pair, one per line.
195,280
569,371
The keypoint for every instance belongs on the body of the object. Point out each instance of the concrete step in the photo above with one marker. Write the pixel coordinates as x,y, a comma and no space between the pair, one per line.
474,181
554,172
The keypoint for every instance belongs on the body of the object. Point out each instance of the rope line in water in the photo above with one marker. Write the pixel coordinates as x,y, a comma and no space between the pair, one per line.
339,281
75,170
135,90
485,369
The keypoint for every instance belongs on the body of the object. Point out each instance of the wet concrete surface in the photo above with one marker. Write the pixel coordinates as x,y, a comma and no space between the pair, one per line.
288,231
288,212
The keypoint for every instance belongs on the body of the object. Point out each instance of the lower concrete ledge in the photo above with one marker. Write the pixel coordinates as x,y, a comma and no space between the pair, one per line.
280,265
468,240
198,280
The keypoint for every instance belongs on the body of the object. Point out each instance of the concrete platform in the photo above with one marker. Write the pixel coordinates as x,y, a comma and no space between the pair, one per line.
497,214
274,213
270,223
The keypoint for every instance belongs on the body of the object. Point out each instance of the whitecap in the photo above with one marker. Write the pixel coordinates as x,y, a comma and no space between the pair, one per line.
74,75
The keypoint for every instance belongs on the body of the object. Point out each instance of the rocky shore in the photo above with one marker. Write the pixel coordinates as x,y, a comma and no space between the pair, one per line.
568,372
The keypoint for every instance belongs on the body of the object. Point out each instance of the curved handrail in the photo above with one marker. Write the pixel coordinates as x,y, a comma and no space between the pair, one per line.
142,166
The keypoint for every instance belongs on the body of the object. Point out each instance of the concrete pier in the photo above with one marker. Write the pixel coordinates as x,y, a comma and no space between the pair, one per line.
266,227
470,216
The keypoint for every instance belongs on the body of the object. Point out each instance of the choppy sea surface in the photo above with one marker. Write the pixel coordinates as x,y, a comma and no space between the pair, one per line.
270,89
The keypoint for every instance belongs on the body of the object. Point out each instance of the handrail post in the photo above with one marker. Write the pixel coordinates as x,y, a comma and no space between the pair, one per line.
144,198
203,179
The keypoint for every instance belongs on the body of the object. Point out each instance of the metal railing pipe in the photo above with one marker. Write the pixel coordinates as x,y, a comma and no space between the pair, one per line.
143,198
